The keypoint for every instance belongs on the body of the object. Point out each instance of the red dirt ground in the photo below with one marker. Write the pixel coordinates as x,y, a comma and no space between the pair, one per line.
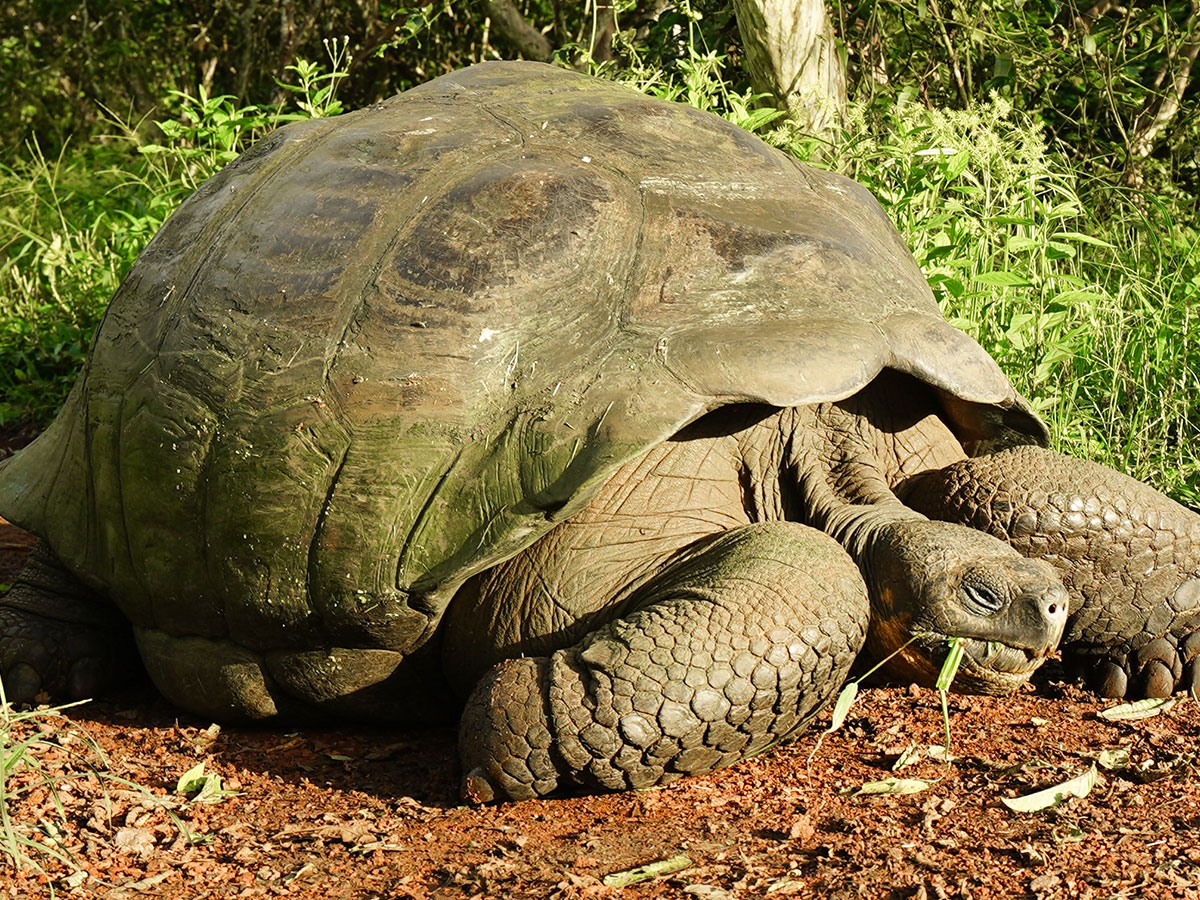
355,813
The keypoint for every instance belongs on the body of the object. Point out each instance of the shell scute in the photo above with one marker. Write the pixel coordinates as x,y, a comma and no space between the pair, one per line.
380,353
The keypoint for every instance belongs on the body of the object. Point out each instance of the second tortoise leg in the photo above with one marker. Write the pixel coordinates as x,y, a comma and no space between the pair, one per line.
729,651
59,639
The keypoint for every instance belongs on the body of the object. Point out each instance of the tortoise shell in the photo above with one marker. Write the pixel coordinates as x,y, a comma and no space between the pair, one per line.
380,353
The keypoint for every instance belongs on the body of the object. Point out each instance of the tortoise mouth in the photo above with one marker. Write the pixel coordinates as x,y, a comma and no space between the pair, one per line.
993,667
1003,658
988,666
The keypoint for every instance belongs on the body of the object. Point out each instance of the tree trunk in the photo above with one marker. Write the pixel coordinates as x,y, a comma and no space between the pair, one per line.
511,25
791,56
1163,106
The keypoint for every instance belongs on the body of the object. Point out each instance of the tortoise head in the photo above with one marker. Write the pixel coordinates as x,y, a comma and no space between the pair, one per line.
933,581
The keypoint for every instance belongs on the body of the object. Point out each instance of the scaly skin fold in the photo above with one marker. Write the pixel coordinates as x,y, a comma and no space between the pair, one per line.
1129,557
730,650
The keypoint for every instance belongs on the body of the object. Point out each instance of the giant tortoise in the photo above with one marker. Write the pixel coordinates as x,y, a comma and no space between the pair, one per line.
585,414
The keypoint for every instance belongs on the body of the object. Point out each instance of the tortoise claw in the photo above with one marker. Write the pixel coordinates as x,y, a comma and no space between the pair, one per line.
477,788
1109,679
1158,668
22,683
1191,679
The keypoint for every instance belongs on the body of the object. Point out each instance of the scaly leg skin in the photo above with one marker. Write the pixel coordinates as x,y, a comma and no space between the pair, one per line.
58,639
1129,556
727,652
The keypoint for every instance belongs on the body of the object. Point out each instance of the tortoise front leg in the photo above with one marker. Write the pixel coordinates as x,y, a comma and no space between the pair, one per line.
57,637
729,650
1129,556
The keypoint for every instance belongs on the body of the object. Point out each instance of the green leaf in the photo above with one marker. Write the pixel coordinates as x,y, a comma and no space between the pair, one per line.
1011,220
1070,299
203,788
957,164
1001,278
950,665
1018,243
192,780
1082,238
892,786
1079,786
212,791
841,709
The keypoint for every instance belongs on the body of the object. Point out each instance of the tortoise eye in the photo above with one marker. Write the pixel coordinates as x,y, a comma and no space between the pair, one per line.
983,598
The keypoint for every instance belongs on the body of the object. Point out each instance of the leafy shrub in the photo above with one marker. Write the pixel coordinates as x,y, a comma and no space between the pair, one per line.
71,227
1082,292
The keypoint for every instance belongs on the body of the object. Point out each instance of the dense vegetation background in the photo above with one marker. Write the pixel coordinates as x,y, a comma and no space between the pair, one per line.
1041,158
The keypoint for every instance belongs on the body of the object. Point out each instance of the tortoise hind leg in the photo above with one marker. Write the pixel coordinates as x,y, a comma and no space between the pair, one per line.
1128,555
58,638
728,651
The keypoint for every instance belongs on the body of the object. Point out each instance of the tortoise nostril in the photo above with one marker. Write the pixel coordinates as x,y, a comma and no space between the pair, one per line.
1055,608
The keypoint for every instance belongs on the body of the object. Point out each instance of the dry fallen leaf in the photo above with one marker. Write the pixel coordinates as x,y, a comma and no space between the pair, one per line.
649,870
891,786
1140,709
911,754
203,740
1113,759
708,892
135,840
1079,786
802,830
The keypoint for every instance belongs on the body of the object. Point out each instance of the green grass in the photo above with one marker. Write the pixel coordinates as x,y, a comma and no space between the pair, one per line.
68,232
52,768
70,227
40,751
1083,293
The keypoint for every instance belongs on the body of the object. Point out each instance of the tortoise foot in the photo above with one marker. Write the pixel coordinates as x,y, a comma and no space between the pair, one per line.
505,735
1158,668
42,658
58,640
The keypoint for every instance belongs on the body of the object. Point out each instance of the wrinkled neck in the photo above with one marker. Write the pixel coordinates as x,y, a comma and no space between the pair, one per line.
835,465
840,464
856,526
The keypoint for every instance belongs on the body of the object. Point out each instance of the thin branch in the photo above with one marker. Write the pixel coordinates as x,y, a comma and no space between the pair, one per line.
1162,108
955,66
